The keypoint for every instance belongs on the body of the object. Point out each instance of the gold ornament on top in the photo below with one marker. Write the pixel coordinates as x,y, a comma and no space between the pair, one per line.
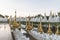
15,24
28,25
49,29
40,27
57,31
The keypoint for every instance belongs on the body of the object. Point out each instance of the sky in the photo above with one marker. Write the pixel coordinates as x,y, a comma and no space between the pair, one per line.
25,8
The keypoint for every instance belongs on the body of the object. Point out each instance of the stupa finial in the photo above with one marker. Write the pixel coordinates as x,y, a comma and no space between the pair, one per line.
28,26
49,29
15,24
57,31
40,27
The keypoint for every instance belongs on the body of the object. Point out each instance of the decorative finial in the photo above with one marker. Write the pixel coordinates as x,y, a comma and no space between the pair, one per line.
40,27
15,24
49,29
15,14
28,27
57,31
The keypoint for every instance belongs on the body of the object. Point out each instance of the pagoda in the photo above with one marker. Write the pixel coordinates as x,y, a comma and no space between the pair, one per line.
49,29
57,31
40,27
28,26
15,24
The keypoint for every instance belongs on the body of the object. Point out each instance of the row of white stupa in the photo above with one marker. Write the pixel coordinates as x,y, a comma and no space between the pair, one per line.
42,36
18,35
37,35
38,19
3,19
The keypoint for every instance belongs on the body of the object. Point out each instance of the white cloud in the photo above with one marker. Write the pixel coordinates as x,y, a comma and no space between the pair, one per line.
25,7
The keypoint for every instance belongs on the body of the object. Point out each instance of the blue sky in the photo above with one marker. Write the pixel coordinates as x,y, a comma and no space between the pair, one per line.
26,7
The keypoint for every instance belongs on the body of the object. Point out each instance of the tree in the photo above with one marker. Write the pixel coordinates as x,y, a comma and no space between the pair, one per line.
59,14
1,16
6,16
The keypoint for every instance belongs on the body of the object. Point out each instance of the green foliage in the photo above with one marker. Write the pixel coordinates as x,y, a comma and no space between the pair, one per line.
1,16
6,16
59,14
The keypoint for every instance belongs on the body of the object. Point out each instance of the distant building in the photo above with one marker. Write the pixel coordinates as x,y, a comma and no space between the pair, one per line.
3,19
38,18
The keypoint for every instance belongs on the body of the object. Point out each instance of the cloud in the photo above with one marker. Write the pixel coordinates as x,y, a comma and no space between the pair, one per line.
26,7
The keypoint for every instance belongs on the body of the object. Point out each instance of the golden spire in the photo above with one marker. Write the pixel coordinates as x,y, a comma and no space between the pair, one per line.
15,15
40,27
28,27
15,24
57,31
49,29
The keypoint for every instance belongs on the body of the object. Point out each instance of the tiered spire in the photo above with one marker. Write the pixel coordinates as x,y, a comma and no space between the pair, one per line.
49,29
40,28
15,24
57,31
15,15
28,27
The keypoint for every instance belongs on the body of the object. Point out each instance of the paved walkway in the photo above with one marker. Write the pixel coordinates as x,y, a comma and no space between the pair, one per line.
31,38
5,32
